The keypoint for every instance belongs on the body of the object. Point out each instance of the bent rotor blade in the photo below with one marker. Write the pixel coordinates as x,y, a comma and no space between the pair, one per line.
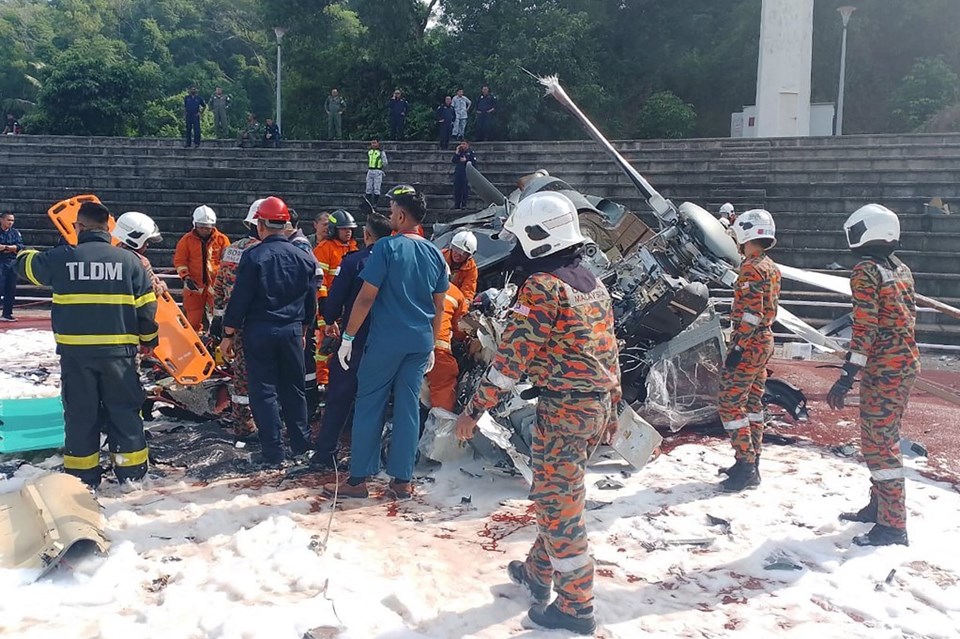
833,283
484,188
838,284
803,330
663,208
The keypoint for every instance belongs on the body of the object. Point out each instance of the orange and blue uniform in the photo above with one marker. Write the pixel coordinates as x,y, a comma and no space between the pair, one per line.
562,339
755,299
884,344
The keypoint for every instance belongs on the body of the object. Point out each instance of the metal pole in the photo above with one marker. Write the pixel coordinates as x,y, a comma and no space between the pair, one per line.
845,13
279,31
278,81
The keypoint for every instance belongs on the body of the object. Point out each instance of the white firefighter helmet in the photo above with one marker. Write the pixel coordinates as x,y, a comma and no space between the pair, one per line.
755,224
203,215
465,241
545,223
726,210
872,224
251,219
135,229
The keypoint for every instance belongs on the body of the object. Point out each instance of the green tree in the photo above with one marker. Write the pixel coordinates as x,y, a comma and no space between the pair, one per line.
664,115
96,89
930,87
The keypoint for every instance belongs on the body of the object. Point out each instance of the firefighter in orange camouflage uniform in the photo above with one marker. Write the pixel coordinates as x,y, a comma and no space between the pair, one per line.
561,337
330,251
883,346
755,298
243,425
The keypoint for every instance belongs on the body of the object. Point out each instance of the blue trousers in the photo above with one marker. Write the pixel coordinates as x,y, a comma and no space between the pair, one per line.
341,395
8,287
381,371
193,129
274,357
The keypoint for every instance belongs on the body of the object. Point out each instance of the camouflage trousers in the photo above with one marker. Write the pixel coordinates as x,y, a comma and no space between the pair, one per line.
566,430
240,391
741,399
883,400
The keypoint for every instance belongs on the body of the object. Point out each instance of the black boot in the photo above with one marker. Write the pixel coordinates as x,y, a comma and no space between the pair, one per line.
881,535
552,618
756,467
743,476
866,515
518,575
729,469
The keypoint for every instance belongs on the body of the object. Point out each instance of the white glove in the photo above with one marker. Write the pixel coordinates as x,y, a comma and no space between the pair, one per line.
431,360
343,354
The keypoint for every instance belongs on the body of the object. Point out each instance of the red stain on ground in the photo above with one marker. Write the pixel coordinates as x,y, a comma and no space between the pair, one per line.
502,525
929,420
604,572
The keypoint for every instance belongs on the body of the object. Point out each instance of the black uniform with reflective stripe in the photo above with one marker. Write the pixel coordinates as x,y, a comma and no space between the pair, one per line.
103,299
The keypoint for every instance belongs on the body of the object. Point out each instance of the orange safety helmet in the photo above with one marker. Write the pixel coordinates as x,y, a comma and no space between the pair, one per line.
273,209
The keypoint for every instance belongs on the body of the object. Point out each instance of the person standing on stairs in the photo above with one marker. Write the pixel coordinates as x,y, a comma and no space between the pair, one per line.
756,295
376,165
193,108
461,106
219,104
461,186
397,107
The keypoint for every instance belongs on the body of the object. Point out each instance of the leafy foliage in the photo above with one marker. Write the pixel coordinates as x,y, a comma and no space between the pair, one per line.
639,68
930,86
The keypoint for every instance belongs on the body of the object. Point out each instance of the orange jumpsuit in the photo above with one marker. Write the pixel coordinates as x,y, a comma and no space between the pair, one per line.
329,254
199,259
442,380
464,276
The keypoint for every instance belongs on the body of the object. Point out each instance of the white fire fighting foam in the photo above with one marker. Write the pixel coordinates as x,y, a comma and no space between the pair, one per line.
229,561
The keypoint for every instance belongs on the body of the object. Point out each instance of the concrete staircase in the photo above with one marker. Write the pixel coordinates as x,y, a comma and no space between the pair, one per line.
810,185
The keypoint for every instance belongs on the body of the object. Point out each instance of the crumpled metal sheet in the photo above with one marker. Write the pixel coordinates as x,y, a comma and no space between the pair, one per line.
49,515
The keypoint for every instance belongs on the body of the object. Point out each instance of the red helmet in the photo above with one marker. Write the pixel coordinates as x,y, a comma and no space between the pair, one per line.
272,209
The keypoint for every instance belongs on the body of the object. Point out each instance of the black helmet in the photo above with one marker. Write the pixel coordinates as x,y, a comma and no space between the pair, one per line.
339,219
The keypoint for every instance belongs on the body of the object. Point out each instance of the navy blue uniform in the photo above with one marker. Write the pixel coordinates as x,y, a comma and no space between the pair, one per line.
486,105
461,188
8,277
445,117
274,300
342,387
192,106
104,308
397,112
271,136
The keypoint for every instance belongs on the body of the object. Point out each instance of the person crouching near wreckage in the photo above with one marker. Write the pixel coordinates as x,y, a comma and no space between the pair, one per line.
560,335
755,298
883,345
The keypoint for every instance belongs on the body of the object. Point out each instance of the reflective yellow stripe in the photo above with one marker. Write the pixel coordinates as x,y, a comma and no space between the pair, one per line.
117,299
81,463
125,460
28,267
324,266
148,338
143,300
96,340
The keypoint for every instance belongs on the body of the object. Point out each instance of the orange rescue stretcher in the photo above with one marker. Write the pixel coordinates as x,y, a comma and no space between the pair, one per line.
180,351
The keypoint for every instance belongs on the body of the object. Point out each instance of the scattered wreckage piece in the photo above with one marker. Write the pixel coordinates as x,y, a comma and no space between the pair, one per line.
45,519
34,423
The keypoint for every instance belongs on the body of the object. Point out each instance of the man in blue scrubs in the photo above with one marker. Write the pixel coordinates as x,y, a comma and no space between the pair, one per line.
405,279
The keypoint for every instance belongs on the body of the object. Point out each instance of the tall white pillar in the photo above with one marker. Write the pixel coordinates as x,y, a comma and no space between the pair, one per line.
784,68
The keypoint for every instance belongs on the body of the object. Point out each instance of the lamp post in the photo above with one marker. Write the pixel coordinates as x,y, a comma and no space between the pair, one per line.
845,13
279,31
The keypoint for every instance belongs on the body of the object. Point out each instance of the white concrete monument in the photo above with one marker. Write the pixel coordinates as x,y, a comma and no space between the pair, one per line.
784,69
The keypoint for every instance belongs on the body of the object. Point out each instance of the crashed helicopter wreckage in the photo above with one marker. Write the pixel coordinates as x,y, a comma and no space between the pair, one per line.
671,342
